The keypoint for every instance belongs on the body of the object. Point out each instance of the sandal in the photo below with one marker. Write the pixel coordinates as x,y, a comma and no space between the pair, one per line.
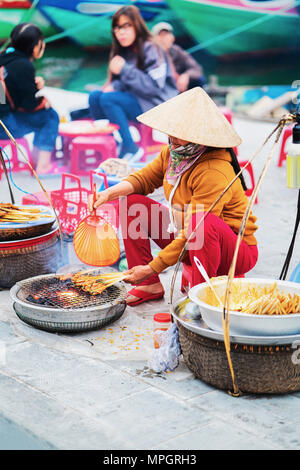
143,296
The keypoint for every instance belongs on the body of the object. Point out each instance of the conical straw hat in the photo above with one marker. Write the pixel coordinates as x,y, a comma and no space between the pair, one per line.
194,117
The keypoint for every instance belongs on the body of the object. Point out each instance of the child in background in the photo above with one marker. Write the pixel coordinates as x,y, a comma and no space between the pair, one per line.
22,111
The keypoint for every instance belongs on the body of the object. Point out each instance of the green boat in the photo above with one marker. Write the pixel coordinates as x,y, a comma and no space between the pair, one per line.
13,13
226,27
88,22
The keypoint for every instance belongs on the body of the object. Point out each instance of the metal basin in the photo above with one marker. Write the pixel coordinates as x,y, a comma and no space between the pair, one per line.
241,323
57,319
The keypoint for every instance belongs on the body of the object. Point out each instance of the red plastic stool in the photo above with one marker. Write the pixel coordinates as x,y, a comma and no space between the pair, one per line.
287,133
88,152
16,164
229,116
250,171
187,276
146,140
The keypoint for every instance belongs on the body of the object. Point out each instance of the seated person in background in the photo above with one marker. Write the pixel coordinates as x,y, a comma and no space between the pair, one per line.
22,111
140,77
188,73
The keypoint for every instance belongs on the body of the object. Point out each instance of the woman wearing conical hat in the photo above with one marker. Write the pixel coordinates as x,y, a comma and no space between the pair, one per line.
194,168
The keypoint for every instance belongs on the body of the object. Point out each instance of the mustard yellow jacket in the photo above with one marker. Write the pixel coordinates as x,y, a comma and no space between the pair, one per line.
202,183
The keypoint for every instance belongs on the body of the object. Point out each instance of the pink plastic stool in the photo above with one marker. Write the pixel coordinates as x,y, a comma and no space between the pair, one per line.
16,164
146,140
229,116
88,152
39,200
287,133
187,276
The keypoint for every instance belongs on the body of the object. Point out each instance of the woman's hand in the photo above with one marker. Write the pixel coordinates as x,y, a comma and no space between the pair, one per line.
40,82
101,198
138,274
116,64
182,82
107,87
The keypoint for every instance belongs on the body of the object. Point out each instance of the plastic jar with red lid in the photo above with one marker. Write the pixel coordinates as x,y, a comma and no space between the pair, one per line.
161,322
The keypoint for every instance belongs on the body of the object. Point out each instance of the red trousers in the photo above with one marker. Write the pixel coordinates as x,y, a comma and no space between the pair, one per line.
147,219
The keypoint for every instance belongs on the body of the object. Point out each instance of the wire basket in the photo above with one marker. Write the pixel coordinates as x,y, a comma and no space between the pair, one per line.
70,204
110,210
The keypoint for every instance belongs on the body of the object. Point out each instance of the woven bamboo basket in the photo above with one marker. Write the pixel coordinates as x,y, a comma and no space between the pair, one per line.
40,255
259,369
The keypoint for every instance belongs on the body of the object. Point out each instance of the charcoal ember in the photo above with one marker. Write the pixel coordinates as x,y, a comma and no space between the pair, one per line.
40,300
67,282
32,299
63,293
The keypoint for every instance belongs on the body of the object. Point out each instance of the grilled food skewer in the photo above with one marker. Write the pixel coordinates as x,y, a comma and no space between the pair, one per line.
96,284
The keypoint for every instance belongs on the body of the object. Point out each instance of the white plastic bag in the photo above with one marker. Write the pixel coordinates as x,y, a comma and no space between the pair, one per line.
166,358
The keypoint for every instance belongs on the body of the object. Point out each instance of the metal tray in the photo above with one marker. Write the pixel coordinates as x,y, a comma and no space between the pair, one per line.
199,327
101,320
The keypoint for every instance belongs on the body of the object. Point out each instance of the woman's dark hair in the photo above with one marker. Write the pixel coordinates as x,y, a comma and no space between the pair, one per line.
141,30
236,166
25,36
234,163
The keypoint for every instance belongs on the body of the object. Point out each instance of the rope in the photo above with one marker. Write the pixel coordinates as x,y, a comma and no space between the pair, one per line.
70,31
241,29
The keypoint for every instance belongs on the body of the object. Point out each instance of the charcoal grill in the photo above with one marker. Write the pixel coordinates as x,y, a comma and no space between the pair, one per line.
51,304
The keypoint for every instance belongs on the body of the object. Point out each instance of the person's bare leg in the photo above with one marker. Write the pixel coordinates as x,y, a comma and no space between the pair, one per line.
44,161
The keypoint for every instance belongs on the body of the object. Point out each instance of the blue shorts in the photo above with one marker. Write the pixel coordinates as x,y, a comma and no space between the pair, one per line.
43,123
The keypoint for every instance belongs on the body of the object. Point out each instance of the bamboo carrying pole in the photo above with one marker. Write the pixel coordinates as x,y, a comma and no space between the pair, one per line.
286,119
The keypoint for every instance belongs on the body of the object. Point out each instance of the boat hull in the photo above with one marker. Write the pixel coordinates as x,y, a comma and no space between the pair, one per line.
10,17
94,29
207,20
